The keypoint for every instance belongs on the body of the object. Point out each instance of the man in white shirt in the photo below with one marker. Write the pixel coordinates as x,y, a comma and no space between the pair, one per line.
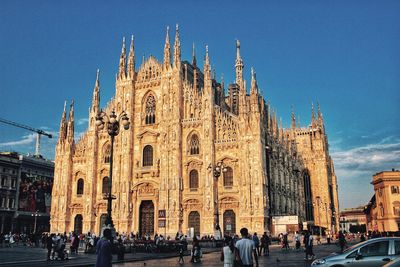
244,248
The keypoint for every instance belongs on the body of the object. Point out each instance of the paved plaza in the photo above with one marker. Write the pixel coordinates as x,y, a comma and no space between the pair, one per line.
32,256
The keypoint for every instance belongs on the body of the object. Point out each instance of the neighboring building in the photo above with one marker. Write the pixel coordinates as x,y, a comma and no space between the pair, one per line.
383,212
371,214
352,216
182,126
9,173
26,183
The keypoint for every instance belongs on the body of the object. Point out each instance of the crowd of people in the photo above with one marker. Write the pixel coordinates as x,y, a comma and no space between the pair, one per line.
236,250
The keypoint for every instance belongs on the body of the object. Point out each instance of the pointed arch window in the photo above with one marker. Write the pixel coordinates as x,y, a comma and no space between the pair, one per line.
107,153
79,187
228,177
148,156
150,110
105,187
194,145
193,180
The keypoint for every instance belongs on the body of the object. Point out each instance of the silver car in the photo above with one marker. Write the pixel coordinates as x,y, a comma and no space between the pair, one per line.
374,252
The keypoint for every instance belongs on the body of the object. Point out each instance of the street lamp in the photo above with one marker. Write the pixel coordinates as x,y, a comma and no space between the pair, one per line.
35,215
217,169
112,122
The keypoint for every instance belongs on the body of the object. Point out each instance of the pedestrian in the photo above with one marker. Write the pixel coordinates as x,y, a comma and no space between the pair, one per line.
257,243
308,243
362,238
285,241
265,243
228,252
244,249
342,241
104,250
297,240
49,245
181,260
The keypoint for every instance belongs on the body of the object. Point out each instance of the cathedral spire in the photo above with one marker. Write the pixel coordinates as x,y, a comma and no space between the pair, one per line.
254,86
239,66
194,61
320,119
207,67
96,94
312,115
131,60
293,119
177,49
122,61
70,131
167,51
63,124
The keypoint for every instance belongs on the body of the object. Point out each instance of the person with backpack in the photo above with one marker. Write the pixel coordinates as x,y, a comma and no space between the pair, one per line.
256,241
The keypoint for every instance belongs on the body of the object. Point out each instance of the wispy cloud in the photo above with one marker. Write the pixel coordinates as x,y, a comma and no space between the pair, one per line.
369,158
23,141
82,121
355,166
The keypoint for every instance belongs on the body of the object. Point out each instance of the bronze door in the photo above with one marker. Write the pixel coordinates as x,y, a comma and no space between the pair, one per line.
194,221
229,222
78,224
146,218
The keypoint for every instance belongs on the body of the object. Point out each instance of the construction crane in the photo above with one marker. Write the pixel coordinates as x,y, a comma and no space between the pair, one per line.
38,131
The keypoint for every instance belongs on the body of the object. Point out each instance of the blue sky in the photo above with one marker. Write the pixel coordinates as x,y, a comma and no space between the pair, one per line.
343,54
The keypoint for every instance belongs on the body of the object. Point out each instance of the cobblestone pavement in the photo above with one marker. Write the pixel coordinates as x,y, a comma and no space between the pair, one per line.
277,257
32,256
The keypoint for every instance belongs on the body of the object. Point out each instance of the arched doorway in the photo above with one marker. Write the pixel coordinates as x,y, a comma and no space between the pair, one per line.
146,218
78,224
102,224
194,221
229,222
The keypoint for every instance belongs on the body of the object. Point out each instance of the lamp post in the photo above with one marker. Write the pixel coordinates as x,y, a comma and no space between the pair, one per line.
35,215
112,122
217,169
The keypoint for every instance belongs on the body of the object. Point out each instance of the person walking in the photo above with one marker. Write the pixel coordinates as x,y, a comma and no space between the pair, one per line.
181,260
244,249
308,243
342,241
228,252
257,243
297,240
49,245
104,250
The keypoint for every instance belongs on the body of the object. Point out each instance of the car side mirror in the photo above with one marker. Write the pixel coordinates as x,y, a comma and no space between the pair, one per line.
359,256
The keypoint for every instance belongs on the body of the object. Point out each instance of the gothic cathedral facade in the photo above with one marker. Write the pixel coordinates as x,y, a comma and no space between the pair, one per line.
183,128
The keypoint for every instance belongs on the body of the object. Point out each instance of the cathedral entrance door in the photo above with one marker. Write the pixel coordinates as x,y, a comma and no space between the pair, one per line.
229,222
78,224
146,218
194,221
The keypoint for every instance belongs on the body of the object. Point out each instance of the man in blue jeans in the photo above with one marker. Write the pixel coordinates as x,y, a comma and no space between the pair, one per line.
245,247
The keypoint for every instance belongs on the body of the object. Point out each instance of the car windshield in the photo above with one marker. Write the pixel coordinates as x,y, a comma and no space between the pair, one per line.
354,246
